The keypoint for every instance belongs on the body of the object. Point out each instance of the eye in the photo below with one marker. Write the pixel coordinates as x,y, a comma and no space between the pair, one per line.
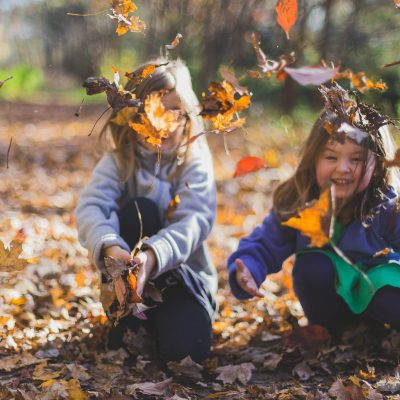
356,160
333,158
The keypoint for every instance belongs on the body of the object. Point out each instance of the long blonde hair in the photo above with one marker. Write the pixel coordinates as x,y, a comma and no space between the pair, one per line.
174,75
302,187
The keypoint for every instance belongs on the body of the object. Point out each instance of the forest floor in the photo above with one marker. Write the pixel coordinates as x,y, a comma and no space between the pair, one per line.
53,327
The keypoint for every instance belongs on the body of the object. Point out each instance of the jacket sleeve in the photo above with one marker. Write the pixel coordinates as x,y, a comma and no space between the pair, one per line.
96,213
194,216
263,252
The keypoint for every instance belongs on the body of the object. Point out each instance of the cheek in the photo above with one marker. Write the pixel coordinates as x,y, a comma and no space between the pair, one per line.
322,173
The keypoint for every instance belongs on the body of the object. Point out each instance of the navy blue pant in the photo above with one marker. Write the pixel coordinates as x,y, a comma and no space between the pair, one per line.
314,285
180,323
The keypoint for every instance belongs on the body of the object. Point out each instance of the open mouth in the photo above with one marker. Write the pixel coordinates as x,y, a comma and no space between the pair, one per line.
342,182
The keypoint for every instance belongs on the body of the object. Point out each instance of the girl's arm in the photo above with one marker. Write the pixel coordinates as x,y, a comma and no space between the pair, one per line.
96,212
194,215
262,252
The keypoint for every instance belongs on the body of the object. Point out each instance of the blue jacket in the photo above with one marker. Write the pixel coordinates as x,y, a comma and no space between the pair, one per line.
271,243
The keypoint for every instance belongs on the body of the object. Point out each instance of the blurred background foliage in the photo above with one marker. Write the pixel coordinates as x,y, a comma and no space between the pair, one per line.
49,53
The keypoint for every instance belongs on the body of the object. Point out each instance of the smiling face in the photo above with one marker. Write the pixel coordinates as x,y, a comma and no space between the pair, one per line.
342,165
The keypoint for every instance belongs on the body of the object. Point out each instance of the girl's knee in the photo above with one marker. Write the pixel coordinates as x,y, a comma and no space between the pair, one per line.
314,270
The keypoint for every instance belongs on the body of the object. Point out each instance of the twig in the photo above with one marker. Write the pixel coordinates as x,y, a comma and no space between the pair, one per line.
8,151
98,119
391,64
87,15
140,219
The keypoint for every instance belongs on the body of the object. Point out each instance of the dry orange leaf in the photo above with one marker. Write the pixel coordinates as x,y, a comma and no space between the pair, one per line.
360,81
247,165
120,10
124,116
286,14
156,122
142,73
309,220
9,257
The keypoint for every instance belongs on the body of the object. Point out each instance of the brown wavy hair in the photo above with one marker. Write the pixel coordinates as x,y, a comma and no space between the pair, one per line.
174,75
294,194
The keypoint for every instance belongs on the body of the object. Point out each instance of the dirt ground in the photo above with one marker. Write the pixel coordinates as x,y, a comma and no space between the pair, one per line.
52,325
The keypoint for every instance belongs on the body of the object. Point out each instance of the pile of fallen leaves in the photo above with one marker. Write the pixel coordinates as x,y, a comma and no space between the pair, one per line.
53,326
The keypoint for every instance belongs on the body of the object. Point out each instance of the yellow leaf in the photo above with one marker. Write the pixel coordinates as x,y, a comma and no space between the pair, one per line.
9,261
309,220
124,116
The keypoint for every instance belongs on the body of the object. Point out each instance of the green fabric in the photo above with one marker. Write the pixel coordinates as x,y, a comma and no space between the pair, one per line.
357,284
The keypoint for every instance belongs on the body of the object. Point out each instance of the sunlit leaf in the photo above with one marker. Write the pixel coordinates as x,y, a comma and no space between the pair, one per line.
124,116
247,165
142,73
309,220
120,10
286,11
360,82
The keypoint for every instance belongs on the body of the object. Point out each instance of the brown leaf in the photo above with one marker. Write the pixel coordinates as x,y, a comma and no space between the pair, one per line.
142,73
9,257
175,42
230,373
286,11
186,367
149,388
247,165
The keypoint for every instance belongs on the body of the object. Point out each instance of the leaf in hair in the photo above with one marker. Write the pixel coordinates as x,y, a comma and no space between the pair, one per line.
352,132
142,73
124,116
396,160
309,221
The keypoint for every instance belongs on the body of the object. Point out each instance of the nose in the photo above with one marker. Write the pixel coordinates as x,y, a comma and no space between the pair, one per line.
344,166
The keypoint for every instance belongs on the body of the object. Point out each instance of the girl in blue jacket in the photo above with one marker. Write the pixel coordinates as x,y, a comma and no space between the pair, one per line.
174,255
347,148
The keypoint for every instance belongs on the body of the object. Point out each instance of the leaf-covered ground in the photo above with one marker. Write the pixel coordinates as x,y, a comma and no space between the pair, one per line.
52,326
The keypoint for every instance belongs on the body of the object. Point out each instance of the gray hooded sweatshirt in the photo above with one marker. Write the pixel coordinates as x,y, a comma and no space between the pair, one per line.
180,243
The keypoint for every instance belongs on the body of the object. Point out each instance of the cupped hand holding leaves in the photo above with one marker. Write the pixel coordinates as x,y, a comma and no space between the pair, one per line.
245,280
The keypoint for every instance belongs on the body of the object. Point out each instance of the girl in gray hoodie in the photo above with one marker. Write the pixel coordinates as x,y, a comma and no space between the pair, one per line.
174,256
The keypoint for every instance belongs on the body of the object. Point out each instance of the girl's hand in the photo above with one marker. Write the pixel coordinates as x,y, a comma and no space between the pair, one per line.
147,259
118,253
245,280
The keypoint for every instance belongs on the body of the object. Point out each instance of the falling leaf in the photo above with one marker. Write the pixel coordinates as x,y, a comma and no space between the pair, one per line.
149,388
9,257
360,81
175,42
172,206
4,81
142,73
156,122
230,373
117,98
247,165
120,10
286,14
309,220
313,75
267,66
396,3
